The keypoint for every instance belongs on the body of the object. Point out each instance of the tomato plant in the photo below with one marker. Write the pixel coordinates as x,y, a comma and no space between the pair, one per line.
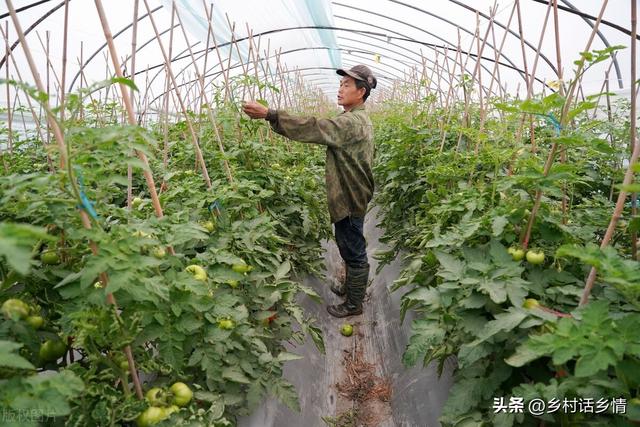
227,253
454,199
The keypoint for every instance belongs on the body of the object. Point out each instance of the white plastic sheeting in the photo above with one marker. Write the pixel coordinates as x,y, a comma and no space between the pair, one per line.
394,37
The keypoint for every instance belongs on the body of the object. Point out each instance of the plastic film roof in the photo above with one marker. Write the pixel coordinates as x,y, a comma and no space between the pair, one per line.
402,41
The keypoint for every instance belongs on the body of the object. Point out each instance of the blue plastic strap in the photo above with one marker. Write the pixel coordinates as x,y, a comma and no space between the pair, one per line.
87,204
550,118
215,205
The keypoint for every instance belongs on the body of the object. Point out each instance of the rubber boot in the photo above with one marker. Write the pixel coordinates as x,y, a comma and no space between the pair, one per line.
338,287
355,286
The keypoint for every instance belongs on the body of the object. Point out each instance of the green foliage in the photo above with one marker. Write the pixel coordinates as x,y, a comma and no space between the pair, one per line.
453,199
271,217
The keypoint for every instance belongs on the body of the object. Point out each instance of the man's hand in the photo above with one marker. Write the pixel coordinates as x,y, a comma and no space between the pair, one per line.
254,110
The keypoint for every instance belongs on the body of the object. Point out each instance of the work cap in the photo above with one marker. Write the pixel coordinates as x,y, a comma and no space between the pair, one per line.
360,72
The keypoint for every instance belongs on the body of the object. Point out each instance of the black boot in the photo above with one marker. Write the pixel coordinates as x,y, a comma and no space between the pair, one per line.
338,287
355,286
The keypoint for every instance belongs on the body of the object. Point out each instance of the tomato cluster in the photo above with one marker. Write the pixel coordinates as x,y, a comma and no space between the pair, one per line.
164,403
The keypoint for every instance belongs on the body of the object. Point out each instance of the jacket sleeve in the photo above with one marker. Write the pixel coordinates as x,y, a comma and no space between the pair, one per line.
336,132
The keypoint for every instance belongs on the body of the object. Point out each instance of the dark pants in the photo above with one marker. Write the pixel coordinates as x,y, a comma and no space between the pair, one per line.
351,243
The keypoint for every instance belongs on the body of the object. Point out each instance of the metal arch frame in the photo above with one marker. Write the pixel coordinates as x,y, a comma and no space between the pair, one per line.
401,47
362,32
575,11
96,53
383,79
375,67
411,26
332,69
602,37
162,65
570,9
348,50
404,35
82,67
238,64
469,32
31,27
364,50
242,64
29,6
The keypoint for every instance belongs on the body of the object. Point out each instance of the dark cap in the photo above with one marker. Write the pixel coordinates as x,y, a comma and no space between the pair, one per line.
360,72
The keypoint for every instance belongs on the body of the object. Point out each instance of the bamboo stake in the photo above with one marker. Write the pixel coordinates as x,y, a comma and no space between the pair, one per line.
563,122
480,50
63,162
251,57
133,76
563,154
129,107
204,68
35,116
498,53
475,71
199,156
206,98
225,74
64,58
48,64
39,85
633,119
165,139
81,79
457,58
628,177
9,112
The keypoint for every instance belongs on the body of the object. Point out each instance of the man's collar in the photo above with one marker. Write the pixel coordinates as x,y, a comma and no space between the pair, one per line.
357,107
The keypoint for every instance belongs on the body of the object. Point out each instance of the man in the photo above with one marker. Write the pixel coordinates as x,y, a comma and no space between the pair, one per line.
349,179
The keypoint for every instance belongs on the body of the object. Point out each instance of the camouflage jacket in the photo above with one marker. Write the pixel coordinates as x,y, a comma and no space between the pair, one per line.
349,141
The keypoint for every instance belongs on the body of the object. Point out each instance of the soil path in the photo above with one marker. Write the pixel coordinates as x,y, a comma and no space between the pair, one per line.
361,380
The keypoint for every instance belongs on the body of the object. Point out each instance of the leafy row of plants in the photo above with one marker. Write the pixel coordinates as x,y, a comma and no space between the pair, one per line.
502,301
205,296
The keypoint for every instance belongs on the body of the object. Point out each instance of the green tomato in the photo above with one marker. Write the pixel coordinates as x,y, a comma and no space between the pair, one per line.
182,394
159,252
151,416
155,396
35,322
233,283
516,253
140,233
531,303
15,308
124,365
137,201
50,258
226,324
535,257
209,226
52,350
346,330
241,268
198,272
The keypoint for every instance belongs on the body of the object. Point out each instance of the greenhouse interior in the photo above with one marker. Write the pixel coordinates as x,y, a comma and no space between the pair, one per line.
308,213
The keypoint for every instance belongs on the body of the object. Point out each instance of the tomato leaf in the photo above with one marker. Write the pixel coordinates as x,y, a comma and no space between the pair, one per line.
9,359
